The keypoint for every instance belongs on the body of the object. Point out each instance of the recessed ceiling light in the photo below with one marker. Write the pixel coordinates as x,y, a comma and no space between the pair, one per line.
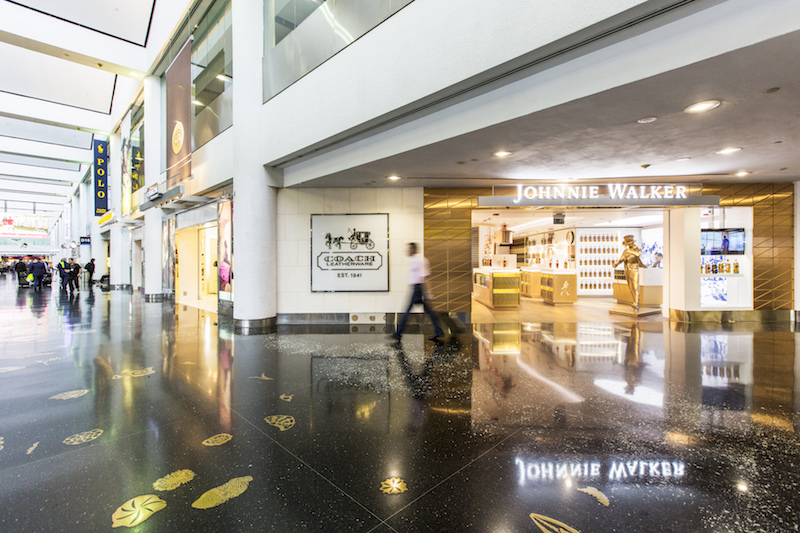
223,77
742,173
647,120
726,151
393,178
685,158
702,107
197,102
502,153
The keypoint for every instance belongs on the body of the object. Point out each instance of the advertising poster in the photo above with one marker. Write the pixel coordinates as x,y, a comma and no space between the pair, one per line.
179,117
18,229
225,217
125,159
100,164
137,164
350,253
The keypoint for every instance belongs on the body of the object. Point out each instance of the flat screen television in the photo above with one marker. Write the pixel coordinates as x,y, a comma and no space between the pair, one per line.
727,241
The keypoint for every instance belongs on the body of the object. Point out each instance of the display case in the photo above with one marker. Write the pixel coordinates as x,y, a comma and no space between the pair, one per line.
559,286
530,282
496,288
725,281
597,251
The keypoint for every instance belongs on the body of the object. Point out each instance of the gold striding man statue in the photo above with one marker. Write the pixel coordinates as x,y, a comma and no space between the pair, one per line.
632,263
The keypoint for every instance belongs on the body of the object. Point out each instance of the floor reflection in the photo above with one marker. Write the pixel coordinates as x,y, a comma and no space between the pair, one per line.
646,426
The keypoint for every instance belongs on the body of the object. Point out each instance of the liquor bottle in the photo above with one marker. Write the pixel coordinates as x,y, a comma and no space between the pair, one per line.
708,268
714,269
735,266
727,266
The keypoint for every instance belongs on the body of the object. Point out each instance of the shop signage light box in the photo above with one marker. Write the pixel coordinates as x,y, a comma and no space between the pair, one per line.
350,253
599,195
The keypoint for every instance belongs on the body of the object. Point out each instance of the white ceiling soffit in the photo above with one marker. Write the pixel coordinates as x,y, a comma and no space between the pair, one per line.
47,78
43,162
127,20
27,171
45,133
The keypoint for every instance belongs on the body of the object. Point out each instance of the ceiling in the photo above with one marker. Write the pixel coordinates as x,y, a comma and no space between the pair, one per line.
599,138
70,72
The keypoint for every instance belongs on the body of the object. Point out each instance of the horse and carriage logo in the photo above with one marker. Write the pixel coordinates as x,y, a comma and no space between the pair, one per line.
356,238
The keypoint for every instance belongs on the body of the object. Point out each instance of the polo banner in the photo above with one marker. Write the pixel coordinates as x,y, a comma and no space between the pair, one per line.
179,117
100,177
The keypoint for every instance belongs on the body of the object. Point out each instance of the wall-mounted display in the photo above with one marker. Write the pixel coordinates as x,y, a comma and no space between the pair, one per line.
722,241
350,253
225,253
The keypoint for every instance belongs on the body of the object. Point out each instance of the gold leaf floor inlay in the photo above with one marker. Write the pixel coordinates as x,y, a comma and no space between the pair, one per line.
393,485
174,480
286,397
223,493
137,510
1,443
140,372
551,525
591,491
46,362
30,450
81,438
10,369
217,440
282,422
70,395
262,377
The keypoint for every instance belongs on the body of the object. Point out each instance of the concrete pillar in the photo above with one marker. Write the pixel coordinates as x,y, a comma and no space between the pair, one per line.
254,192
153,147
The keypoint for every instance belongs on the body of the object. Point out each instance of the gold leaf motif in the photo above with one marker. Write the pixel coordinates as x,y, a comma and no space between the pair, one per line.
550,525
135,511
174,480
282,422
1,443
223,493
10,368
591,491
262,377
70,395
216,440
393,485
139,372
81,438
30,450
46,362
286,397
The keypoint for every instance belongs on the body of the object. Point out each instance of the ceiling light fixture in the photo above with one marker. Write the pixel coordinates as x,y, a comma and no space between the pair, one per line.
197,102
730,150
394,178
742,173
647,120
685,158
223,77
702,107
502,153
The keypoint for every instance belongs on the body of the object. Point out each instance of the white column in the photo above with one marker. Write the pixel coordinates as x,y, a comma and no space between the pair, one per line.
254,195
684,259
152,175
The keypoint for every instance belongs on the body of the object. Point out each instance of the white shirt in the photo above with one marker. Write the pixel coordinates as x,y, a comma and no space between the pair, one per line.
418,269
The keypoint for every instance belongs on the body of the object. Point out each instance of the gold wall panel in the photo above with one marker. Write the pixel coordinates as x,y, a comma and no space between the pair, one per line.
448,246
773,238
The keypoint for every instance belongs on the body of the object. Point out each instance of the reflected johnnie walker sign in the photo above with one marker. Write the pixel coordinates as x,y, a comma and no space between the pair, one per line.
349,253
537,470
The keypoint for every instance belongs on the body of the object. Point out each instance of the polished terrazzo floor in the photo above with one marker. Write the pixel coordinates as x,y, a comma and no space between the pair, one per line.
114,411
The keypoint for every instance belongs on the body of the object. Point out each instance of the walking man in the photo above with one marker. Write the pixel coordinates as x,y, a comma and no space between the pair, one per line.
63,272
418,270
74,272
90,269
38,269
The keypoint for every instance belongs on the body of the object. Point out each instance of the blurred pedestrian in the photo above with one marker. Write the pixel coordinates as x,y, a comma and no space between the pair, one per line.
38,269
418,270
74,273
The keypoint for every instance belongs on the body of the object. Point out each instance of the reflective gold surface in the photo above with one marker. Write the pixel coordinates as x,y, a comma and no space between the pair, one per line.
551,525
223,493
136,510
394,485
174,480
82,438
217,440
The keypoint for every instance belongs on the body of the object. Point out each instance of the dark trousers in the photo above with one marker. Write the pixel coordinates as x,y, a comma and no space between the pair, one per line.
37,281
73,283
418,297
64,282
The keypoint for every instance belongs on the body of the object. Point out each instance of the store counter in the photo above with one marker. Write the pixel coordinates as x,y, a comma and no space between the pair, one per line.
651,287
496,288
559,286
530,281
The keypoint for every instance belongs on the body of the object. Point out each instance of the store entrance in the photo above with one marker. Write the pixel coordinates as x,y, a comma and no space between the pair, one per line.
196,266
535,263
